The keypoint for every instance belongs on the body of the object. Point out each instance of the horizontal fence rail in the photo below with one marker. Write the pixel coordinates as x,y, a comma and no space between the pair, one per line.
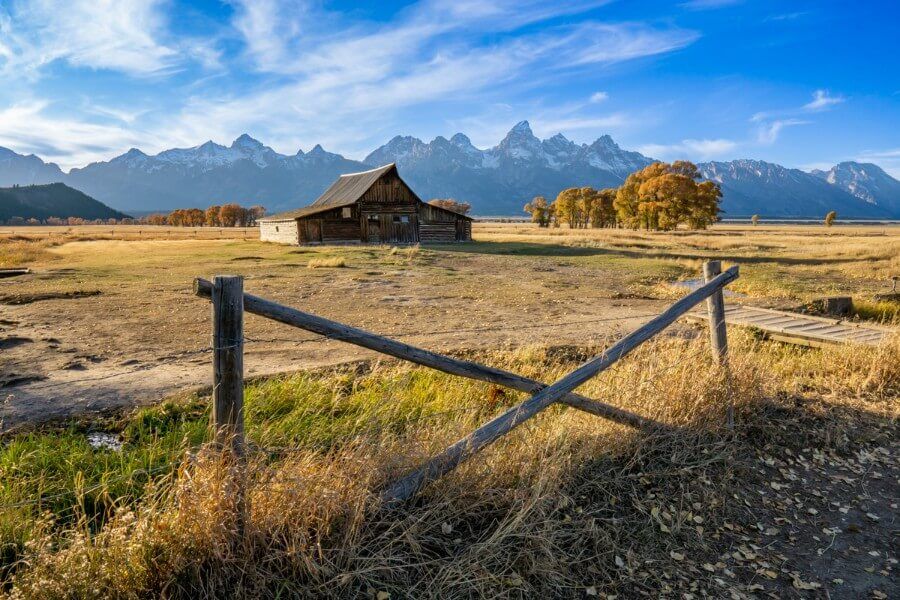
454,366
543,395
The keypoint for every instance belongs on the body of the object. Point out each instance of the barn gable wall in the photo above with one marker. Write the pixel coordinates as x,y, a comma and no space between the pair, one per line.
280,232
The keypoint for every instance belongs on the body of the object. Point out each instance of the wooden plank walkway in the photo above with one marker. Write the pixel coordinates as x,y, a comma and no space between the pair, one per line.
797,328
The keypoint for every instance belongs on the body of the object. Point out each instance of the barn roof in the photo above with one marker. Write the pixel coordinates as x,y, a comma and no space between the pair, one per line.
346,190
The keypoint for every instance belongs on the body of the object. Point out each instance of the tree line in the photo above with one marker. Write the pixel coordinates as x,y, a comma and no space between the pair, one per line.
226,215
659,197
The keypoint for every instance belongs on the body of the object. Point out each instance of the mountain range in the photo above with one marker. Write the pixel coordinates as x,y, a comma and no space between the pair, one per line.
496,181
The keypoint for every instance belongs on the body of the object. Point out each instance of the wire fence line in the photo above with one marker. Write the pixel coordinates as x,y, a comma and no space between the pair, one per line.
178,357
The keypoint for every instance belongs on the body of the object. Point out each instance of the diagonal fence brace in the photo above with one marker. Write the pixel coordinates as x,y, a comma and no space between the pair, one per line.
454,366
488,433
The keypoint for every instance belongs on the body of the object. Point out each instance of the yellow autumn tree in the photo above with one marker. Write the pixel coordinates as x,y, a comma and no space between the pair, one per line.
539,211
663,196
567,207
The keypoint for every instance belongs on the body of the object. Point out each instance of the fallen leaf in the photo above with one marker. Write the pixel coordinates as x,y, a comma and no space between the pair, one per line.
676,555
591,591
446,528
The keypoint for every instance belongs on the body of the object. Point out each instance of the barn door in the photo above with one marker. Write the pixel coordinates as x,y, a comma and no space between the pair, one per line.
460,230
314,230
373,229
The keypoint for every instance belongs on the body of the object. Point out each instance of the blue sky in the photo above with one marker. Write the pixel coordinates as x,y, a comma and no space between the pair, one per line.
805,84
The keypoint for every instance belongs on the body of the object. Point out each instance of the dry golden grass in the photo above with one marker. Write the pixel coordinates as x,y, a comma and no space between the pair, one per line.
566,503
327,263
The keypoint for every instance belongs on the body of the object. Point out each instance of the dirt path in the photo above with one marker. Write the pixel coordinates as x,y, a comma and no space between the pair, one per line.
99,334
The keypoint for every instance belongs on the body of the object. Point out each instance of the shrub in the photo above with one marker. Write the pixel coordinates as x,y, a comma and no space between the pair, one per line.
327,263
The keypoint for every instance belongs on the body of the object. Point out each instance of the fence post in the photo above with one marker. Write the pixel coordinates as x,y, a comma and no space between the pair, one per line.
228,362
715,305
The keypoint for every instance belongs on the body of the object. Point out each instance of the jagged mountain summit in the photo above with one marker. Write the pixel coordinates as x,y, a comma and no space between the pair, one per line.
865,181
497,181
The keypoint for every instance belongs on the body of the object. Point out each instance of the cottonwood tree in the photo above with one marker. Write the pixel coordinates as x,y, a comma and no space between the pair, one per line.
830,218
661,196
567,207
603,213
212,215
539,211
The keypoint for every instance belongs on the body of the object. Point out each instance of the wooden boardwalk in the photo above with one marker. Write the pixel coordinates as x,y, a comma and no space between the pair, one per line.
798,328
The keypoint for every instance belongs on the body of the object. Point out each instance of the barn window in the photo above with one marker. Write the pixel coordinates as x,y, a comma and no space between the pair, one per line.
347,212
373,218
404,219
276,229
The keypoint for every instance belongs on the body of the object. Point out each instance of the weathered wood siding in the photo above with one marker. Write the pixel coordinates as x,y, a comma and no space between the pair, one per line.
440,226
331,226
280,232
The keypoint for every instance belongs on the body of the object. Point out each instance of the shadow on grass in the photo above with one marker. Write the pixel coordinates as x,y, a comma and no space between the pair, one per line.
562,250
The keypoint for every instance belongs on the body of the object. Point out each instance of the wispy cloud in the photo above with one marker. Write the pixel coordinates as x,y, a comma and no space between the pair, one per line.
705,149
32,127
768,132
822,100
597,97
888,159
123,36
770,124
708,4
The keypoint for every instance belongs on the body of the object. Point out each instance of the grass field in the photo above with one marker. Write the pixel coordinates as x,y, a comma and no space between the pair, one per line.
793,504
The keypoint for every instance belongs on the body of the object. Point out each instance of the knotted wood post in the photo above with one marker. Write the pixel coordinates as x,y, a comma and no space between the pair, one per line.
715,305
228,362
228,391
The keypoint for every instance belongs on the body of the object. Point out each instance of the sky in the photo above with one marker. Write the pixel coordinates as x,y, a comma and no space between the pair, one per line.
805,84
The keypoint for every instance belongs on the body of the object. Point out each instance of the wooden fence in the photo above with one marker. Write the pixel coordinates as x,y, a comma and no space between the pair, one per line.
229,303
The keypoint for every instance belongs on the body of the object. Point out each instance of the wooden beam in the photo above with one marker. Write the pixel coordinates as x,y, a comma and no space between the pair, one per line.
359,337
715,307
488,433
228,362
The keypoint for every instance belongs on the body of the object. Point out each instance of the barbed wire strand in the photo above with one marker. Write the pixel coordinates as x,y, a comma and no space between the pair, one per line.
177,357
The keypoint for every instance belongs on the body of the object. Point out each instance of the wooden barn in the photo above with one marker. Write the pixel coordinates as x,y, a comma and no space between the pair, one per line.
375,207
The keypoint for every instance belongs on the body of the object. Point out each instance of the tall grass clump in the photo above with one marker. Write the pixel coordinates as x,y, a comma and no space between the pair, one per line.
327,263
565,503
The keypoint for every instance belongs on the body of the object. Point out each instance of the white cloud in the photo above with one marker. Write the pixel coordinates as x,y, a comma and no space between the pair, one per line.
692,149
32,127
821,100
609,43
768,132
121,35
599,97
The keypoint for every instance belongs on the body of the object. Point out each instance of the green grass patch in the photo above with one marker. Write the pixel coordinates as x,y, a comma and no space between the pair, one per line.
57,470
